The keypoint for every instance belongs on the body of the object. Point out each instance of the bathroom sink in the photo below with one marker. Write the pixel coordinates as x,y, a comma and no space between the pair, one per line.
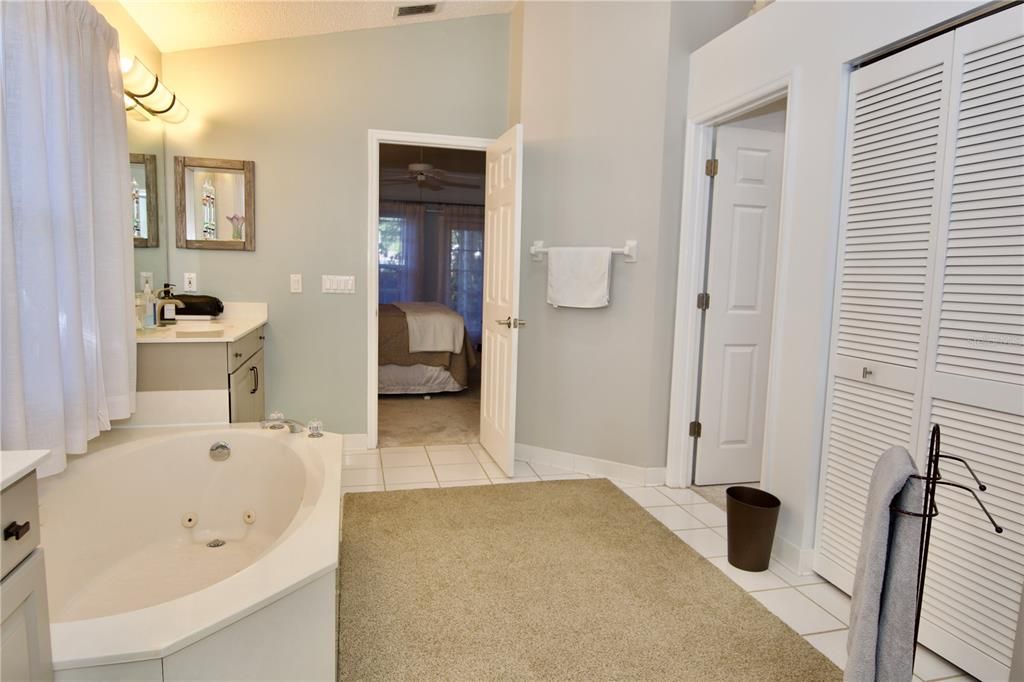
205,331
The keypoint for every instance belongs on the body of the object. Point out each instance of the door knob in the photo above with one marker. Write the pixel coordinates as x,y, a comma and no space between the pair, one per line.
507,322
518,323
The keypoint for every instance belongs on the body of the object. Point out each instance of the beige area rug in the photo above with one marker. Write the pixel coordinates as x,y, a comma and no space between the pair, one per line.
447,418
556,580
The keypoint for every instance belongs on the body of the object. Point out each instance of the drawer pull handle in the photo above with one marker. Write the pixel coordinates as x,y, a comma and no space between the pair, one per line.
16,530
262,338
238,355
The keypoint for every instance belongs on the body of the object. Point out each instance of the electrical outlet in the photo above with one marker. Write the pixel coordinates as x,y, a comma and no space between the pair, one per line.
296,284
189,285
144,279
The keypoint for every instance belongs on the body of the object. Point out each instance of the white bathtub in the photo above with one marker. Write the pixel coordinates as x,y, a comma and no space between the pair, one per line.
135,592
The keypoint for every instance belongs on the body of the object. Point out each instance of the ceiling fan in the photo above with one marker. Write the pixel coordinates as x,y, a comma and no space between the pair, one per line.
423,175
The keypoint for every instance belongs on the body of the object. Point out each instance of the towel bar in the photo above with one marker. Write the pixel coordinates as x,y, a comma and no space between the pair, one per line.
537,251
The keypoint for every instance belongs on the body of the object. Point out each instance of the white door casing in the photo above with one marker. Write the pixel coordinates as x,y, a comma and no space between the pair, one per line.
741,282
502,235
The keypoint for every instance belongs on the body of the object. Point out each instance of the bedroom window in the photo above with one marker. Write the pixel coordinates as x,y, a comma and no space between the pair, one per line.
466,279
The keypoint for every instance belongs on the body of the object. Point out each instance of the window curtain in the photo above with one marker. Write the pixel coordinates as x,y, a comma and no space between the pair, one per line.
434,253
401,252
464,227
67,367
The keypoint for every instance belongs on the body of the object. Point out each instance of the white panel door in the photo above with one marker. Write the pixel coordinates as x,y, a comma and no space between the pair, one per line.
896,134
741,282
502,230
974,380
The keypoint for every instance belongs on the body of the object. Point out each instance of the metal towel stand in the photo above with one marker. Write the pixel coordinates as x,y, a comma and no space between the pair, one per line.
932,479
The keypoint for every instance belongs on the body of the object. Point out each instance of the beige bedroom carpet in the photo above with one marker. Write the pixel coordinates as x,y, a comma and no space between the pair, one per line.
447,418
556,580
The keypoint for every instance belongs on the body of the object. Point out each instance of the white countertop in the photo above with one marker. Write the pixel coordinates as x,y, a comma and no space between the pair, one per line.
16,463
237,320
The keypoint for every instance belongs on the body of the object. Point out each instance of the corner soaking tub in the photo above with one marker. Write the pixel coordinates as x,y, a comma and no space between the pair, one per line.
165,560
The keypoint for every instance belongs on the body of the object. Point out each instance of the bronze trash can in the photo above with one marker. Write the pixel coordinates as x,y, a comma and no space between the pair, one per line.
751,516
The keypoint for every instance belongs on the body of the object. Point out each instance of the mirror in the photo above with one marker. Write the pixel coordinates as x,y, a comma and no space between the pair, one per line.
146,163
214,204
145,204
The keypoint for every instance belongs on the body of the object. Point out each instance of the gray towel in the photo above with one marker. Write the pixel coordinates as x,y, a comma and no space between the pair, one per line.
880,645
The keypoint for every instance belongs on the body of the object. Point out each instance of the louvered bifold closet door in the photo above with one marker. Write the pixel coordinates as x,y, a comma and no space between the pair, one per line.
896,133
974,379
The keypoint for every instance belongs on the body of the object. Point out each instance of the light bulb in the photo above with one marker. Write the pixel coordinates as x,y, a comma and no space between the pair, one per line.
138,80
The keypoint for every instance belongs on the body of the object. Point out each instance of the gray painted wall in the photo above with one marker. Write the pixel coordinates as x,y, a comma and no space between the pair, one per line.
603,100
301,108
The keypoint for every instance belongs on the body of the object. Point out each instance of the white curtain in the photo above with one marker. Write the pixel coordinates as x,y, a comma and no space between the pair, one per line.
67,366
401,252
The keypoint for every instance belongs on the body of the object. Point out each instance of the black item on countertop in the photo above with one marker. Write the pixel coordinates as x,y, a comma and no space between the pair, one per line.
196,304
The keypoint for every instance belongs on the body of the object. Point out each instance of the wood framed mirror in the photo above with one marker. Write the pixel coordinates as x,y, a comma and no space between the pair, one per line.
215,204
145,203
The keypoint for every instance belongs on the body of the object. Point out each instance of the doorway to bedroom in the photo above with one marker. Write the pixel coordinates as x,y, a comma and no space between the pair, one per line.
430,275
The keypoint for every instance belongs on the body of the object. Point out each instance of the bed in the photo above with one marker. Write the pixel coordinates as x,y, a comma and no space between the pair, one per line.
422,348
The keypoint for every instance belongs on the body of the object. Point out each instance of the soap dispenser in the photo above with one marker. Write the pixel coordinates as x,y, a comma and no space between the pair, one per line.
167,306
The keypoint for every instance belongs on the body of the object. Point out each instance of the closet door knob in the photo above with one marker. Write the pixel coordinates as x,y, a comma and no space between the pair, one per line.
507,322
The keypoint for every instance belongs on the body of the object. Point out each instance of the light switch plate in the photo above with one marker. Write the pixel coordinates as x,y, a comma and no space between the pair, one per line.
189,283
144,279
338,284
295,285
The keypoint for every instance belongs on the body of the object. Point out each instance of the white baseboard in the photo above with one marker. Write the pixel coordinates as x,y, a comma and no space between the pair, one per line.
355,441
592,466
798,559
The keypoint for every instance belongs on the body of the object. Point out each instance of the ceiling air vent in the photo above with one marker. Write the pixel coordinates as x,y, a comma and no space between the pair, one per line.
413,10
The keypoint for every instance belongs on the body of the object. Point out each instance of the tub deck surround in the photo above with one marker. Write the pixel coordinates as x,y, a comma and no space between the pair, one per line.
302,551
237,320
16,463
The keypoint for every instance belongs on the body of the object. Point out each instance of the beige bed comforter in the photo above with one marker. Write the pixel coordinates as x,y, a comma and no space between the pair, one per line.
393,347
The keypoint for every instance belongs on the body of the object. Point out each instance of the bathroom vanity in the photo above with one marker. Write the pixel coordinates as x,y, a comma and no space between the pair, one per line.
202,372
25,631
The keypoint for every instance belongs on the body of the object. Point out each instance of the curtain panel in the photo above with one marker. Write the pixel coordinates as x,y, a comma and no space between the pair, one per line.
67,322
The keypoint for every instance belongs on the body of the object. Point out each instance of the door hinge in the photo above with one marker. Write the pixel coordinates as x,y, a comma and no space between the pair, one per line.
711,167
703,301
695,429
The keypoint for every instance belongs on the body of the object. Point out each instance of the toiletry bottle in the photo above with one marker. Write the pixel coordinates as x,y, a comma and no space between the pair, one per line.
140,310
149,303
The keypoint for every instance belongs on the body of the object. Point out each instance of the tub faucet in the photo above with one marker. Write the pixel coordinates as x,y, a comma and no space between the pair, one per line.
278,421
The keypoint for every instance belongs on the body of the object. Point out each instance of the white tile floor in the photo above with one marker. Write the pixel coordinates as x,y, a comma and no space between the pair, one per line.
806,603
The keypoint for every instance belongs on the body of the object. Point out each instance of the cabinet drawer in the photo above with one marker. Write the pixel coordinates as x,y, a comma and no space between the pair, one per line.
242,350
19,505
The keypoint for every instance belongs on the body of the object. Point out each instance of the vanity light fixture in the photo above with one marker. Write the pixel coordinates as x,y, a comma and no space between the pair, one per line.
146,90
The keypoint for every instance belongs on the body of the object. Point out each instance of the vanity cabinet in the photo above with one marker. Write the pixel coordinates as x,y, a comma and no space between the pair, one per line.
25,628
194,380
245,386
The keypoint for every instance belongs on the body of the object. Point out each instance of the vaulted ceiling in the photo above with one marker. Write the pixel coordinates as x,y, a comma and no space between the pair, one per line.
175,25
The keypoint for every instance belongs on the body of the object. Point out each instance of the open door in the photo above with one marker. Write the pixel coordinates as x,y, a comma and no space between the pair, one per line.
743,238
503,201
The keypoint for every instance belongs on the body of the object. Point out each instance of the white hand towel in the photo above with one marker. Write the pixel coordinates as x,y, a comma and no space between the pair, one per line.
579,276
